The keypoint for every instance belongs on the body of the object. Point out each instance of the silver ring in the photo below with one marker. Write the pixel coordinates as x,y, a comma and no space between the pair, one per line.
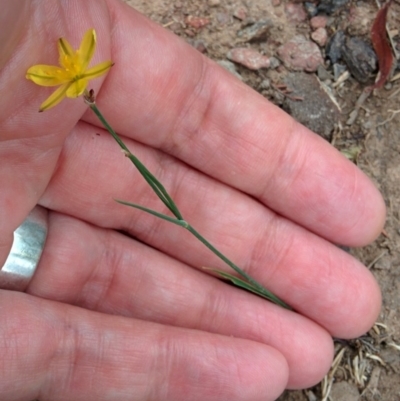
27,247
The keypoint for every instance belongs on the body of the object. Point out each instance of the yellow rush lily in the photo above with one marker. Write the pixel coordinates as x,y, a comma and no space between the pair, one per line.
73,73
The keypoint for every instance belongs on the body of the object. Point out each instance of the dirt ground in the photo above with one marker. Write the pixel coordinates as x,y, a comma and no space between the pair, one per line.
324,99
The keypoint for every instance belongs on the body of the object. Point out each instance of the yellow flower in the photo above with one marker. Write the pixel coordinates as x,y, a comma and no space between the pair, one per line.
73,73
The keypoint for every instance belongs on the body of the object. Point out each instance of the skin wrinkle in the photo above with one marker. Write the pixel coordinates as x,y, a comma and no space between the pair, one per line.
209,126
190,114
12,21
277,177
12,82
362,211
13,329
331,209
163,362
112,259
264,247
81,357
213,310
63,361
237,159
191,124
335,192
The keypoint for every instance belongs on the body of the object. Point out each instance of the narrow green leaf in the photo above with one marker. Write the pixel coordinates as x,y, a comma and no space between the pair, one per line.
156,185
238,282
178,222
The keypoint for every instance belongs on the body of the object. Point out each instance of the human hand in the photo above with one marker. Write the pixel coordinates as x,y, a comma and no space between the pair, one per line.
109,317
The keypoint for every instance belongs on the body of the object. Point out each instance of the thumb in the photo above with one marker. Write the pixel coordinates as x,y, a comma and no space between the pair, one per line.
31,142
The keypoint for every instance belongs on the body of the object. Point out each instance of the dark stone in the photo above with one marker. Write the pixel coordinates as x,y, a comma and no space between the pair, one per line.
318,111
338,70
311,9
334,47
257,32
360,58
330,6
323,74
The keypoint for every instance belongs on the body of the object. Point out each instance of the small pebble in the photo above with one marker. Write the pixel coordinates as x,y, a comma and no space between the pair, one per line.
197,22
323,74
319,21
250,58
300,54
265,84
274,63
190,33
240,13
256,32
295,12
320,36
214,3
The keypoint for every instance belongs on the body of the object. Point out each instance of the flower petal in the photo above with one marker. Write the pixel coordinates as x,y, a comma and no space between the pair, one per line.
47,75
98,70
54,98
65,51
86,49
65,48
77,87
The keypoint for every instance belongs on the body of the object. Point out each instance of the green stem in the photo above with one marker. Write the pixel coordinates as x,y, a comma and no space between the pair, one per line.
162,193
237,269
157,187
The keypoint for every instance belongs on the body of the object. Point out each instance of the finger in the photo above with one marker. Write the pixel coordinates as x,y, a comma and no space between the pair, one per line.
30,142
65,353
189,107
133,280
316,278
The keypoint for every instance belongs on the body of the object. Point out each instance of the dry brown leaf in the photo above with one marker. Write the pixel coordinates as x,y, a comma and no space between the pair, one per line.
382,46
